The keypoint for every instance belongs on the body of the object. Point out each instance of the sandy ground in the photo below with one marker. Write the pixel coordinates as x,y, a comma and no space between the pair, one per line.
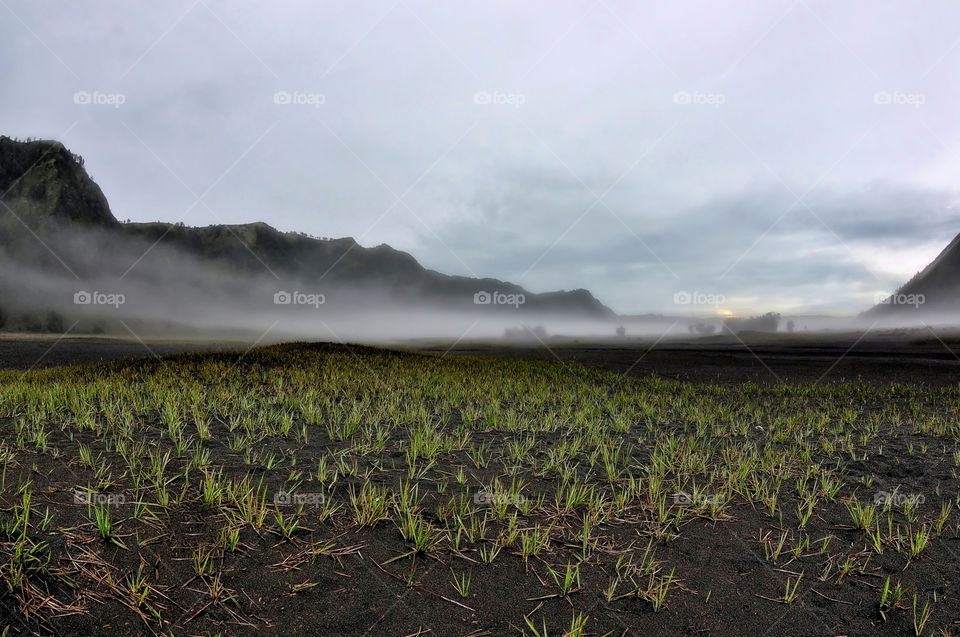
333,577
765,360
23,351
827,360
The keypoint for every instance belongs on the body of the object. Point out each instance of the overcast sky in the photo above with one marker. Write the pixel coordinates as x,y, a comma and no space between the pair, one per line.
785,155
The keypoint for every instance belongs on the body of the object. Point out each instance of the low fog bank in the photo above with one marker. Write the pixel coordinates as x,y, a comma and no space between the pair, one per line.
85,281
800,326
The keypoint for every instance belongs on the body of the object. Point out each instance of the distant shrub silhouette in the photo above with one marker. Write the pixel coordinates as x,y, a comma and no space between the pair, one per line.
703,329
54,322
706,328
768,322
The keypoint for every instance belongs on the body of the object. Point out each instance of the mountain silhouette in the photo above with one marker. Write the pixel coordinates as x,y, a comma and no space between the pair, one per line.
935,288
55,220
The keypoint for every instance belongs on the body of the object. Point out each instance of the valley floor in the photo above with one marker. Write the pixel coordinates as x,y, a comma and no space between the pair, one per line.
331,490
822,359
853,357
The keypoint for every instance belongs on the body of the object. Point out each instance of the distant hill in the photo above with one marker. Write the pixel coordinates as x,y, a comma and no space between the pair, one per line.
52,182
936,288
47,195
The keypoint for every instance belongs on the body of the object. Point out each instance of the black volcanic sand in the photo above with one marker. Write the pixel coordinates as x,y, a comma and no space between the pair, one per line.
43,352
283,587
927,361
880,361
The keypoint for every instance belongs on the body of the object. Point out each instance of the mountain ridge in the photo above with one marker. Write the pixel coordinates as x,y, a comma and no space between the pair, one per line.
48,190
934,288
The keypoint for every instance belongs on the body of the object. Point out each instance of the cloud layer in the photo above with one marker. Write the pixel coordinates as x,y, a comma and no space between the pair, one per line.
788,155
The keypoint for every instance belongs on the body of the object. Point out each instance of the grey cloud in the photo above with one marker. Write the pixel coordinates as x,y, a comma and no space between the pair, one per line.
699,182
